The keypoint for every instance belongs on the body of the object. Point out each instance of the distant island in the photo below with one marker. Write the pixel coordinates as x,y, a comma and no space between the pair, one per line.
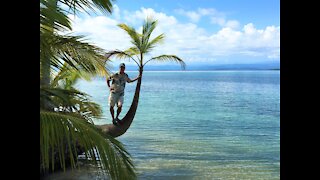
202,67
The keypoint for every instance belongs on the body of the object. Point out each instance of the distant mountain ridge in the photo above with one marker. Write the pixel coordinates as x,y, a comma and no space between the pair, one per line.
203,67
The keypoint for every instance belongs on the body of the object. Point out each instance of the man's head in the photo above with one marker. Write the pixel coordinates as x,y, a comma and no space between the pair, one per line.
122,67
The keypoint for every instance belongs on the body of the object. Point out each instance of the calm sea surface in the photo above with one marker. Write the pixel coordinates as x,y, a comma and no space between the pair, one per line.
201,125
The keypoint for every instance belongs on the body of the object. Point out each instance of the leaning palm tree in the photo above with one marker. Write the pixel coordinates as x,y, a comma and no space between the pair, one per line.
66,114
142,45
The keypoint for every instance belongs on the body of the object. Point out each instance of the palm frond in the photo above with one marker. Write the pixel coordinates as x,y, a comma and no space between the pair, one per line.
71,100
168,58
148,26
62,74
75,6
52,17
67,77
79,55
64,132
157,40
132,51
123,54
135,37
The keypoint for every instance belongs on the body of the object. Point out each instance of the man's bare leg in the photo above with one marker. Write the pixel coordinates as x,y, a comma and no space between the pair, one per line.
112,114
118,111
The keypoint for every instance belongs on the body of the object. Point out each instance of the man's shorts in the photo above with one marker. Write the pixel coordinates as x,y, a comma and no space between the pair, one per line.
115,98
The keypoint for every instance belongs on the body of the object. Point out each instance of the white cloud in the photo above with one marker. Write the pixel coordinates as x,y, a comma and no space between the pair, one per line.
232,24
186,40
208,11
102,31
215,16
249,29
136,18
218,20
268,37
193,16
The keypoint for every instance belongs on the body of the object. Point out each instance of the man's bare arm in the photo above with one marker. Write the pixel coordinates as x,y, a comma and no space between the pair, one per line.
133,80
108,83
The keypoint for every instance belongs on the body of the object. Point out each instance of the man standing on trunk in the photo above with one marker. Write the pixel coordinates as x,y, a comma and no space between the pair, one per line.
117,87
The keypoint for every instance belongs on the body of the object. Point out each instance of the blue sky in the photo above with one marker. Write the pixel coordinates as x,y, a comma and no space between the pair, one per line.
202,31
260,12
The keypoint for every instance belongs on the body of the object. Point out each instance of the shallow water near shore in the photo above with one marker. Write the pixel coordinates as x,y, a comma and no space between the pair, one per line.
199,125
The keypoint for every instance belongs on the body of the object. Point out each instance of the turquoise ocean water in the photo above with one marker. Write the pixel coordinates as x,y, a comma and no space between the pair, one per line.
201,125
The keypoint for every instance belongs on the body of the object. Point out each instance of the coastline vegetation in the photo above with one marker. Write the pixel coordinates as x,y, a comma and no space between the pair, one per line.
66,114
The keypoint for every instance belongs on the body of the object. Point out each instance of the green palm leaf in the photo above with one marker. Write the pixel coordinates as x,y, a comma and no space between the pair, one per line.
66,77
157,40
104,6
79,55
168,58
64,132
123,54
71,100
50,14
148,26
133,35
132,51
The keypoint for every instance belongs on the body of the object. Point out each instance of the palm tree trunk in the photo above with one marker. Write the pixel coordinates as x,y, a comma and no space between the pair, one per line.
120,129
45,66
45,72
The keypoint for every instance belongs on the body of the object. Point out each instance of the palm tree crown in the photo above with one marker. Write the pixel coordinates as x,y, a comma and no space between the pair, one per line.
142,45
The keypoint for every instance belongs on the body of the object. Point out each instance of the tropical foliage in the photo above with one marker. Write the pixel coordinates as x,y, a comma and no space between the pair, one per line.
66,114
142,45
